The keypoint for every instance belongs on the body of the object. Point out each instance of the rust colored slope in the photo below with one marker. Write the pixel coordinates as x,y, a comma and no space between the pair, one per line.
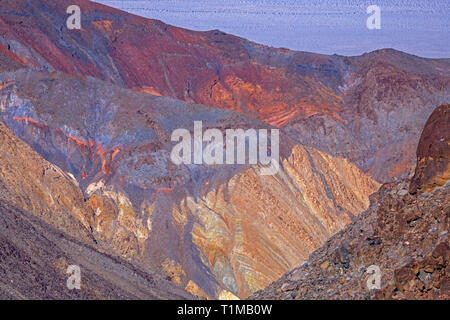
433,154
260,227
404,235
211,68
369,109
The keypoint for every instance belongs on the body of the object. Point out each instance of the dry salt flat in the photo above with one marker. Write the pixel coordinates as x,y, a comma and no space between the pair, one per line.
330,26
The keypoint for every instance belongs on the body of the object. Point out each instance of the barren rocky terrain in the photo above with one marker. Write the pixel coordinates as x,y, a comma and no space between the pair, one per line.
369,109
404,234
36,248
86,122
244,228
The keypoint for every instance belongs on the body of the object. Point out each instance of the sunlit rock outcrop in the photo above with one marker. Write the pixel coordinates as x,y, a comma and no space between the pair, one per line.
433,153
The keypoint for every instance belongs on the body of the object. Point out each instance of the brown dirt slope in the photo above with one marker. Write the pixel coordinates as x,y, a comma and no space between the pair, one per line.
34,258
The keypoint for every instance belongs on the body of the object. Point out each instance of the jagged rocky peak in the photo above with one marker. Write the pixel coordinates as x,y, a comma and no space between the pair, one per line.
433,153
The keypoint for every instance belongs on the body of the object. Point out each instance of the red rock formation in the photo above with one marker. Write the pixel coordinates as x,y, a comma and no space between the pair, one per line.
363,108
433,154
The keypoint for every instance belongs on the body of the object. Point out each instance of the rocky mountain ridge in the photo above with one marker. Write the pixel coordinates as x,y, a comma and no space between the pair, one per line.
378,101
403,235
